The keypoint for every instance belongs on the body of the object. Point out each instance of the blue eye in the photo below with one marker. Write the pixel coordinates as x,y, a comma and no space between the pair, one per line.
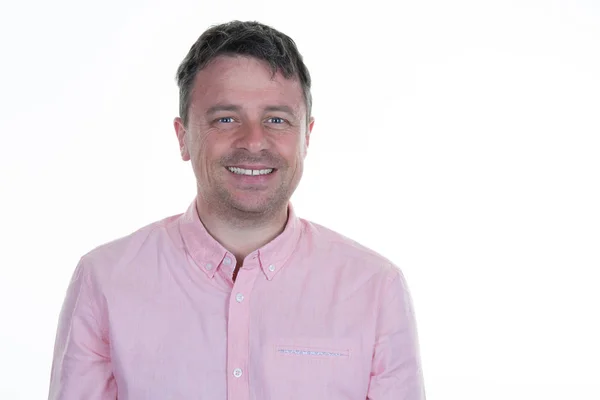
277,120
225,120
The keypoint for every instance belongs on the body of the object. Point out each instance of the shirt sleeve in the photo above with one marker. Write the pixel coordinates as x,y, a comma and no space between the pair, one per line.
396,372
81,367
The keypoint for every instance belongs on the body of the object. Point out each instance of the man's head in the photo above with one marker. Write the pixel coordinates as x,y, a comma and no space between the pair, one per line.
244,109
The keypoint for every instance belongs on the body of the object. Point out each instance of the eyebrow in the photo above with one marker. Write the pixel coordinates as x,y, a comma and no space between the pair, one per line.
281,108
232,107
222,107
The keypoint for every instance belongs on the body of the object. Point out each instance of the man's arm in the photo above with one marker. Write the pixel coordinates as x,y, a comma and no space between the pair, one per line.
396,370
81,367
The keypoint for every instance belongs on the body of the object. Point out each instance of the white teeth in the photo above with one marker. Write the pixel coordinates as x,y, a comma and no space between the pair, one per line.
242,171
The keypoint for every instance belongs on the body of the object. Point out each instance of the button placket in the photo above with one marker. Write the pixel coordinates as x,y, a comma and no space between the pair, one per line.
238,331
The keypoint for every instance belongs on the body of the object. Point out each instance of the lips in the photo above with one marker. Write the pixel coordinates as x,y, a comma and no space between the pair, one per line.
251,171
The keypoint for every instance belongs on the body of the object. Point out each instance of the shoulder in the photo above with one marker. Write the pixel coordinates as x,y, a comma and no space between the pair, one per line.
350,253
113,255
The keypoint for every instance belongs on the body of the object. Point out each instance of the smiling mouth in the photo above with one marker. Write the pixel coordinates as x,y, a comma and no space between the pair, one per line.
251,172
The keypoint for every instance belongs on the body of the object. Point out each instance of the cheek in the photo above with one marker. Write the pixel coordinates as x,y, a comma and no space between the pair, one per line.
202,148
293,149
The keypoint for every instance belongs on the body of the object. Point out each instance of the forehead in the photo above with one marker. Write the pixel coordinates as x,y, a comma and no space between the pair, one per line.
244,81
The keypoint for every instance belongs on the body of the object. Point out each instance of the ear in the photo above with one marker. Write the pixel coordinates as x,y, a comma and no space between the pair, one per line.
180,131
311,123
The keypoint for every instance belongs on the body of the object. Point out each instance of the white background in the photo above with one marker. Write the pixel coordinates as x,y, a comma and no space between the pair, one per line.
458,138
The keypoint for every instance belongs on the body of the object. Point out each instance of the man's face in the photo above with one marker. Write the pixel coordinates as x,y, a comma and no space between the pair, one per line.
246,136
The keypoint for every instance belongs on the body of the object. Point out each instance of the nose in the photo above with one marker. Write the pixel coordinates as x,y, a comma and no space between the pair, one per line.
252,137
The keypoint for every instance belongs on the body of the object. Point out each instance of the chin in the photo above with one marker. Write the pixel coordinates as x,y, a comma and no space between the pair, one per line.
256,205
251,207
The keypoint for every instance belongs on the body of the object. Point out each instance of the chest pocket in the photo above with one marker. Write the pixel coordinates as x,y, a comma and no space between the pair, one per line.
315,368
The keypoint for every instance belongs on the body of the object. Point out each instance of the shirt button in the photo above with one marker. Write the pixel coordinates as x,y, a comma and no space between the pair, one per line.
271,268
209,266
237,372
239,297
227,261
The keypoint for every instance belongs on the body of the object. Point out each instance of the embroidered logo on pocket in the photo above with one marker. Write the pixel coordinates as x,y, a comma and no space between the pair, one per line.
311,352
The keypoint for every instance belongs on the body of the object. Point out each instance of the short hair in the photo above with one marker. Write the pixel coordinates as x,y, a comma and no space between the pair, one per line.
245,38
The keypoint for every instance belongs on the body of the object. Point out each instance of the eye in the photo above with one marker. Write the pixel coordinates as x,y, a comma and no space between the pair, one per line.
225,120
276,120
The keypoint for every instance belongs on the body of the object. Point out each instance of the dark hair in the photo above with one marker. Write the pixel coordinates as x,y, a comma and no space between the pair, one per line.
248,38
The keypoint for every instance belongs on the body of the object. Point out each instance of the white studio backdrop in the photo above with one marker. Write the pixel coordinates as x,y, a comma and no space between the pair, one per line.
459,139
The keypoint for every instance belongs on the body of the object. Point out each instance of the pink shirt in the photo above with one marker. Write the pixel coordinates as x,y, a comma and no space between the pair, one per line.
311,315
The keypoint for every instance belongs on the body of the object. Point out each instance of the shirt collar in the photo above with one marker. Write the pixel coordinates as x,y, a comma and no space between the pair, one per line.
210,255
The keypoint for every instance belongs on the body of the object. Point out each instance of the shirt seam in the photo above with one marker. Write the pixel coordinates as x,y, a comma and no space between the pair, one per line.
389,280
91,304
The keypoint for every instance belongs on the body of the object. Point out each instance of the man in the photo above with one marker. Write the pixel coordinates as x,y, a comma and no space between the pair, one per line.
238,298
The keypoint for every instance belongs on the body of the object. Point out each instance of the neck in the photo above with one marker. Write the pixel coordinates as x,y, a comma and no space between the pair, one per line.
241,235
